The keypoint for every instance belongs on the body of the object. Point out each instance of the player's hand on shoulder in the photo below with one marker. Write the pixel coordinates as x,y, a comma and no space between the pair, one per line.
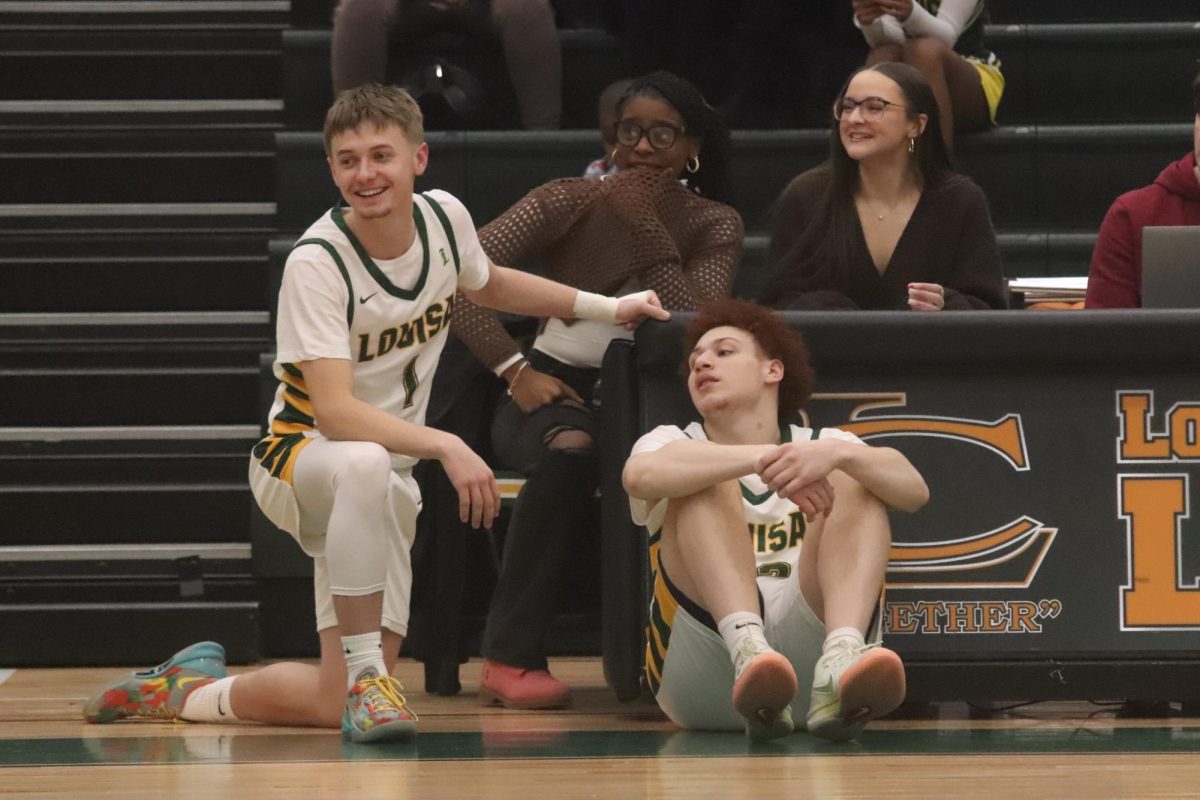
478,495
633,308
535,389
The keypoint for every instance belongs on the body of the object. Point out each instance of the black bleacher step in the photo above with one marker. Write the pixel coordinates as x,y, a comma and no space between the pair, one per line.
140,115
150,583
1035,176
129,396
123,455
1049,254
1082,168
120,634
1150,81
131,369
135,166
94,14
125,573
157,64
1092,11
1038,61
99,272
110,513
136,218
311,13
235,332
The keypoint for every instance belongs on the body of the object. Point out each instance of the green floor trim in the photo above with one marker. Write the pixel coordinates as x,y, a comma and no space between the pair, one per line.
249,748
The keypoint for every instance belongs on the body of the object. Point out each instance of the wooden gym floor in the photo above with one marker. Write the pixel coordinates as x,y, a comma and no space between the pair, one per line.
599,749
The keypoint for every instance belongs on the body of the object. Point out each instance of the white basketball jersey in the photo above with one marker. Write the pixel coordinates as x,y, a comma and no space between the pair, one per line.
389,318
775,525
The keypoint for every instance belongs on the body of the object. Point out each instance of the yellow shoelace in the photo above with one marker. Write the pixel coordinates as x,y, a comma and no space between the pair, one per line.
390,688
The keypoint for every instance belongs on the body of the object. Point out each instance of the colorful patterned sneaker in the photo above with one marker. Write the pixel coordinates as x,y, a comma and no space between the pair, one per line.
764,685
377,712
853,684
158,693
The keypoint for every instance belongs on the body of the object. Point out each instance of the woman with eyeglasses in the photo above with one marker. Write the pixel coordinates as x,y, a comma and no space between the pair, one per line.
943,39
885,223
660,224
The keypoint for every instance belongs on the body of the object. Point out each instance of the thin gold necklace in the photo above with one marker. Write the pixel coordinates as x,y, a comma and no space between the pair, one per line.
884,215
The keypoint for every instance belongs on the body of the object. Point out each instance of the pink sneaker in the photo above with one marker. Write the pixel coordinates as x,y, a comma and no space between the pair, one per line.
513,687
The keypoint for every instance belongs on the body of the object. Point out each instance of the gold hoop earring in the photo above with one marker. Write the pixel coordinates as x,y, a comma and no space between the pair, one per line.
693,164
912,146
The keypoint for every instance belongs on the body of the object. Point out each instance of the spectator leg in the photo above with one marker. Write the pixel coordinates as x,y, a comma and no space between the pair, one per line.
362,30
539,535
534,58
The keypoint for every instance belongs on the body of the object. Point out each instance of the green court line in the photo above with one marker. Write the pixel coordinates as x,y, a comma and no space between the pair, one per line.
260,748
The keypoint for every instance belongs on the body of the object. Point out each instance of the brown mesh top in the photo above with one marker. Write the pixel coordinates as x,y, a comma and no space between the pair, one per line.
597,234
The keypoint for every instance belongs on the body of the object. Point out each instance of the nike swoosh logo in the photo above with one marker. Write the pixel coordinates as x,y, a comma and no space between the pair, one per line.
220,710
193,679
368,297
741,625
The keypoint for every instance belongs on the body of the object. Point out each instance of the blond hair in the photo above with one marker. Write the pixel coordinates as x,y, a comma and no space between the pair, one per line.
384,106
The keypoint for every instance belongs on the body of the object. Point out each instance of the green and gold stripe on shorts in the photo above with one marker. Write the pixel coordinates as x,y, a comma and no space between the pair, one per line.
663,606
277,452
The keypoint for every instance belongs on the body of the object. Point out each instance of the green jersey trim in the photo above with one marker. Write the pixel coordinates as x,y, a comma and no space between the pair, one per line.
440,213
337,259
373,269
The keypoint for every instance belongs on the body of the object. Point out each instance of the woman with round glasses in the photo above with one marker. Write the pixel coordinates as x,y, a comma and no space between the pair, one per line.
885,223
660,224
943,39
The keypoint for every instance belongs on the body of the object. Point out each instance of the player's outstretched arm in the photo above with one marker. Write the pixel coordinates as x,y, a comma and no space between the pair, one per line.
788,468
523,293
342,416
686,466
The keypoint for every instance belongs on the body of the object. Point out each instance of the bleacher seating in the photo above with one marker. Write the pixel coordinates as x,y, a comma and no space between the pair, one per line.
1053,72
134,218
1068,105
1041,180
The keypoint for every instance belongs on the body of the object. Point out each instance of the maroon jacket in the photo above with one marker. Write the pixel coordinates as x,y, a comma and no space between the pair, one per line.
1115,275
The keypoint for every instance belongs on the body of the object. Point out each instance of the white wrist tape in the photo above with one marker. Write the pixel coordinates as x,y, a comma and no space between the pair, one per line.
598,307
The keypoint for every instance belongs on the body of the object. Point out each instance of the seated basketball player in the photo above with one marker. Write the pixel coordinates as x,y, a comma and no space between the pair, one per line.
364,312
758,629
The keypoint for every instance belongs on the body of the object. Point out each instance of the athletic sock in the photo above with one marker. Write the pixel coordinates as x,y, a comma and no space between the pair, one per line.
840,636
210,703
742,628
364,653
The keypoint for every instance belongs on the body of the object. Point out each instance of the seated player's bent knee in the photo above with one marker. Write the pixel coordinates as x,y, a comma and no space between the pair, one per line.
571,439
725,493
888,52
925,50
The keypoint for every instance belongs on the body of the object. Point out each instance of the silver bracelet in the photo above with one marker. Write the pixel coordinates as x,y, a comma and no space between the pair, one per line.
516,377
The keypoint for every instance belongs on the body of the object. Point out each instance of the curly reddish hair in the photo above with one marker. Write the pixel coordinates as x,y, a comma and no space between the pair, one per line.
774,338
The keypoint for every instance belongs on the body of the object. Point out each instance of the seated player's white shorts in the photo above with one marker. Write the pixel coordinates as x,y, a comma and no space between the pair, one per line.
696,686
306,517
